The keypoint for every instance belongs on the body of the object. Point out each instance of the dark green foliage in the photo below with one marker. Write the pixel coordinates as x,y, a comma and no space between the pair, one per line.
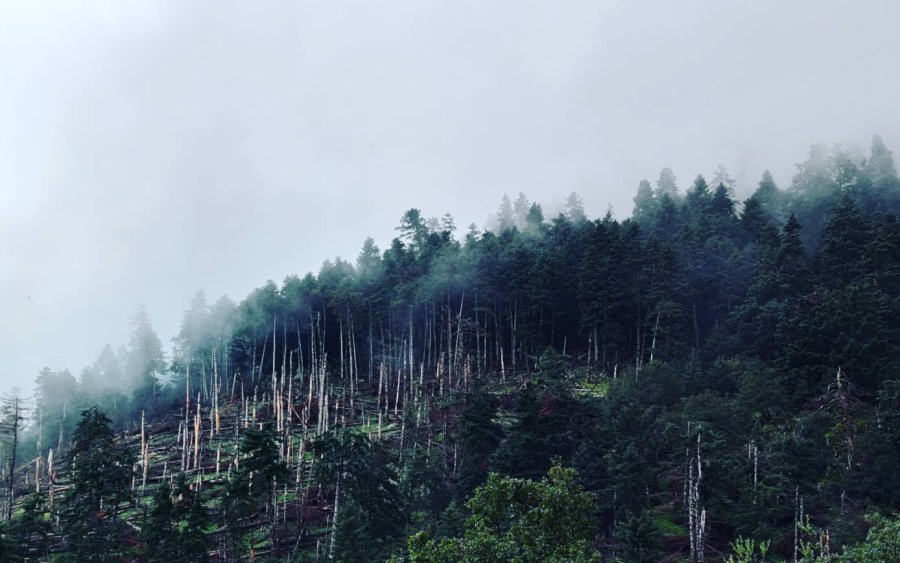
666,184
644,202
159,532
519,520
881,544
101,480
27,535
638,538
360,473
353,539
846,236
424,483
534,221
193,521
175,527
479,437
144,363
260,455
254,483
549,424
575,208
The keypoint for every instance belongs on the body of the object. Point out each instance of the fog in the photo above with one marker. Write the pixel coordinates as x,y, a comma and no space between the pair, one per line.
150,149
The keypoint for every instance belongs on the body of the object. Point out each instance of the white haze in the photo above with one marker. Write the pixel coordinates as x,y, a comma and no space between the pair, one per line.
152,149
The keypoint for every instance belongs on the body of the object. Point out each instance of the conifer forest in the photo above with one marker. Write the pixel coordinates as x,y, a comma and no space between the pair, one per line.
710,379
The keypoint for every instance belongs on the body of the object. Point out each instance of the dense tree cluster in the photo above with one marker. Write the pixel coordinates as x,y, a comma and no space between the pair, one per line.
720,377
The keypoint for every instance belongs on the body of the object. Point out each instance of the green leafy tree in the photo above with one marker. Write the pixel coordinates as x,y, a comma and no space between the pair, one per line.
259,470
519,520
575,208
846,236
644,202
721,177
28,533
175,528
100,483
103,383
534,220
413,229
520,210
882,543
253,485
159,533
192,521
880,165
666,184
479,436
505,215
638,537
145,363
359,471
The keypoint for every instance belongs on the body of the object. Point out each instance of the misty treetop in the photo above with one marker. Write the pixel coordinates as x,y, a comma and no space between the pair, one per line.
706,377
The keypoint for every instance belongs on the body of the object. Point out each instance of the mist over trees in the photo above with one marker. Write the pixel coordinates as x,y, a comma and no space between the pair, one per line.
707,377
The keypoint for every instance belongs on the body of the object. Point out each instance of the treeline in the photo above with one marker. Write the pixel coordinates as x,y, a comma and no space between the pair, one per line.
712,370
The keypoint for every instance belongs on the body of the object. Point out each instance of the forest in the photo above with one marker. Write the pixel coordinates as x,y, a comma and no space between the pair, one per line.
707,380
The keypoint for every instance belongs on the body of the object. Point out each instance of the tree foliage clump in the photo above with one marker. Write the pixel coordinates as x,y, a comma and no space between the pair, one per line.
519,520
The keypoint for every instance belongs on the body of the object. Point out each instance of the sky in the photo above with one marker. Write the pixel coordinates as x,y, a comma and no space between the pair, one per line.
151,149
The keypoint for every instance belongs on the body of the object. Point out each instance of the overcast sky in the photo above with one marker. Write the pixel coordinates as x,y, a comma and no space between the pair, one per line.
150,149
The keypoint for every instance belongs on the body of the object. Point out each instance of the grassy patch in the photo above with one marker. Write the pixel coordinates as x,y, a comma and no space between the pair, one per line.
667,527
586,388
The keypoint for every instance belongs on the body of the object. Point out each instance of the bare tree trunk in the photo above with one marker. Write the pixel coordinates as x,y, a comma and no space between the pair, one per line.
197,434
477,336
354,364
52,480
380,382
653,342
12,416
696,514
334,519
144,454
462,300
449,339
514,316
371,348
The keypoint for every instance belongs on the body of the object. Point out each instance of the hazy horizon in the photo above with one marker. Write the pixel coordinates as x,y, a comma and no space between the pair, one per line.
157,148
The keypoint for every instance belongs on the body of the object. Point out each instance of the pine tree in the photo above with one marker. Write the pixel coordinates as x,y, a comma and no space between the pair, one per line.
158,533
846,237
413,229
666,184
479,437
575,208
145,363
100,483
644,202
721,177
880,165
192,521
534,221
520,211
697,201
505,216
358,470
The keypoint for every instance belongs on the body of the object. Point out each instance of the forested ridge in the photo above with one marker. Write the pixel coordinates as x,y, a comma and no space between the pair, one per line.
707,380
